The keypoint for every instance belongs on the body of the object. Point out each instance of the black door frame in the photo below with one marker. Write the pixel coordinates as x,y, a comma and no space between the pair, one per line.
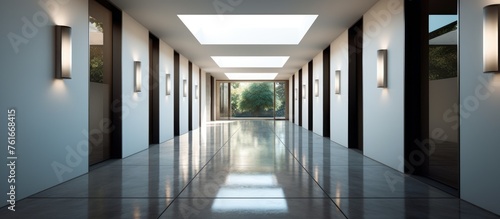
355,99
177,93
154,89
416,107
310,94
116,143
326,92
299,98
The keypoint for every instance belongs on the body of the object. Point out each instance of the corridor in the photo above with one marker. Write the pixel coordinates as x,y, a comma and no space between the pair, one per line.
245,169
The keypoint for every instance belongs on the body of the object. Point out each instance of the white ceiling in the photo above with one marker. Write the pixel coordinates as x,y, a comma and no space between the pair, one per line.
160,17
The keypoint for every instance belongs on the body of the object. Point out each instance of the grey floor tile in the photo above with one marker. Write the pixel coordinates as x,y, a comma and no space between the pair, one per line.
125,181
245,169
252,208
411,208
87,208
371,182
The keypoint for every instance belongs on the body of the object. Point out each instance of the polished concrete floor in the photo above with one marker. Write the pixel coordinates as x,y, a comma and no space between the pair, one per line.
245,169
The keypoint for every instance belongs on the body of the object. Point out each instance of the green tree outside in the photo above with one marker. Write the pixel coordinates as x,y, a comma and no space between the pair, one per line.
257,99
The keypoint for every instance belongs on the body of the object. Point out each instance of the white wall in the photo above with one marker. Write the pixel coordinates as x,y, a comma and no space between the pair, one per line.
339,102
184,100
135,47
51,114
166,102
196,101
305,109
480,118
318,100
383,27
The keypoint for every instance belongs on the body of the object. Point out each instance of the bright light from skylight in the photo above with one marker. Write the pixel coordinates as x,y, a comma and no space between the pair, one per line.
263,186
251,76
250,61
251,180
250,205
248,29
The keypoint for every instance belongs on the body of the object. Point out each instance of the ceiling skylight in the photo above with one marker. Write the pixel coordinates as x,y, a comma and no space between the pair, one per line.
248,29
251,76
250,61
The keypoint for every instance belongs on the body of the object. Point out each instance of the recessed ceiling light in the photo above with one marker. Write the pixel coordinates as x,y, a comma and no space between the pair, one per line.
250,61
248,29
251,76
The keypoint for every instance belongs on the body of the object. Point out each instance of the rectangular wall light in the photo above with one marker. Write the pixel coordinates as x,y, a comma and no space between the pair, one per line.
196,91
337,82
316,87
491,32
168,85
185,88
304,91
296,93
382,68
63,52
137,76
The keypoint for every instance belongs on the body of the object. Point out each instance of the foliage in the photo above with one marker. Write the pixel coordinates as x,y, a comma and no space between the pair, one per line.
257,98
280,100
442,62
96,24
443,58
96,64
96,55
235,98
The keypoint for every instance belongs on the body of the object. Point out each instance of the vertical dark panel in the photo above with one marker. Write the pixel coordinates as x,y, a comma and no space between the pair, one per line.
190,99
199,97
212,98
117,100
326,92
416,84
355,99
230,112
154,89
177,94
310,94
293,99
299,98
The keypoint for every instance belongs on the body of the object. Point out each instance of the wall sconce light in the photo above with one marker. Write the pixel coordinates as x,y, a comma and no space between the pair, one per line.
296,93
491,32
337,82
382,68
137,76
316,87
63,52
304,91
185,87
196,91
168,85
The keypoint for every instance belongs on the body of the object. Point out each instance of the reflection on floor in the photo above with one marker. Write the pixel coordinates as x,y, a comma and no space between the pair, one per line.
245,169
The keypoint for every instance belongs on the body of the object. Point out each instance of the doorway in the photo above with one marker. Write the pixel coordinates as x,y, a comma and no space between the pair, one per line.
101,81
355,127
443,93
432,142
252,100
154,89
